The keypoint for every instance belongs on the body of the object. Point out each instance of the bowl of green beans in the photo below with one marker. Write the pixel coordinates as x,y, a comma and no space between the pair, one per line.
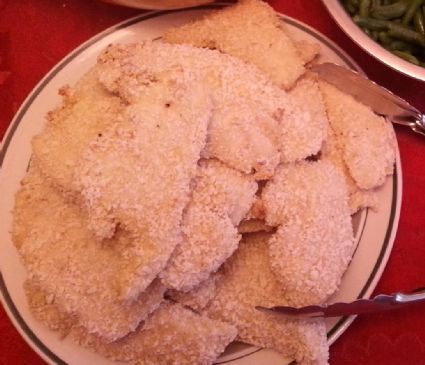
393,31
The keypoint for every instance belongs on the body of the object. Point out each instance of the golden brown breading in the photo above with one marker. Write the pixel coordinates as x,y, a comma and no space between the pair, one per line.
361,135
221,197
314,242
248,281
44,307
82,274
251,31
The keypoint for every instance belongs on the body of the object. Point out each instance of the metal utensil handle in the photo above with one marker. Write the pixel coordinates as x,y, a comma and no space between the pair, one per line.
419,126
417,296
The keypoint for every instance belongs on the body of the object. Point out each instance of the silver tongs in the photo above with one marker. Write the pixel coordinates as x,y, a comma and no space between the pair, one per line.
380,303
379,99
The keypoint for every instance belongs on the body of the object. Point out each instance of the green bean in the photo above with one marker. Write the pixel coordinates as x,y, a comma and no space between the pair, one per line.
367,31
411,10
397,25
385,39
398,45
372,24
390,11
407,56
350,8
405,34
418,21
375,35
364,8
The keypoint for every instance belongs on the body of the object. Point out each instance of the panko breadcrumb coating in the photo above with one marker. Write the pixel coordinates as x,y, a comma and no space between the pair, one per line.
87,109
358,198
367,140
248,115
82,274
45,308
172,335
248,281
311,122
314,242
307,51
199,297
221,198
251,31
137,174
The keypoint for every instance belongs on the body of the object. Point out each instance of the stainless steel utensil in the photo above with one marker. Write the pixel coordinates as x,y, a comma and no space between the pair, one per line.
379,303
381,100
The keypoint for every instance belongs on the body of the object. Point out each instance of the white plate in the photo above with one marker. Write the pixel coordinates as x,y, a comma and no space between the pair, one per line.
375,231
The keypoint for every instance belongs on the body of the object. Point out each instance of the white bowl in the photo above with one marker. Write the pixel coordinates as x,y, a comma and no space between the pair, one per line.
344,20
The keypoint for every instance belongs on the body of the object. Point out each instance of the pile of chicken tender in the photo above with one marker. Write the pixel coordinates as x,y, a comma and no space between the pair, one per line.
185,181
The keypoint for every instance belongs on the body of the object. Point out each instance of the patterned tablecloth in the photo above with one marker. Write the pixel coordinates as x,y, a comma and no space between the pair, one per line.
35,35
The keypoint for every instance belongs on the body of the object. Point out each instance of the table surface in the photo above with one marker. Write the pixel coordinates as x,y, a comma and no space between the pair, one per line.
35,35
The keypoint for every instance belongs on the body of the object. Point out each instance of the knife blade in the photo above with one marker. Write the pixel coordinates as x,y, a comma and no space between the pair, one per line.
382,101
380,303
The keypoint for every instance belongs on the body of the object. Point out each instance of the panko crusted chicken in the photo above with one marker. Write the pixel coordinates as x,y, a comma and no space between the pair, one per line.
366,140
79,272
130,168
221,198
246,282
314,243
251,31
172,335
254,125
87,109
137,174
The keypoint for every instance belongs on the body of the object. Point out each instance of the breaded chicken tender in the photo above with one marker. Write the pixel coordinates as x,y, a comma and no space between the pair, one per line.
88,108
137,174
221,197
358,198
361,134
172,335
247,282
45,308
308,51
251,31
307,130
245,126
82,274
314,242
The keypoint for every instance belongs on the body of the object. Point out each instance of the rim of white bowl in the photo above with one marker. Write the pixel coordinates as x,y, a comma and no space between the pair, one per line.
343,19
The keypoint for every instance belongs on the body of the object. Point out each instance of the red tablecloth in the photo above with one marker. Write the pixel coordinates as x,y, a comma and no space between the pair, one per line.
35,35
